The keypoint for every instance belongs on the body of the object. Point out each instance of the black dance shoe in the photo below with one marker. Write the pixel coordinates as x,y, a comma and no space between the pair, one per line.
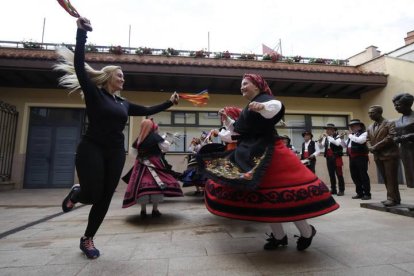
273,243
303,242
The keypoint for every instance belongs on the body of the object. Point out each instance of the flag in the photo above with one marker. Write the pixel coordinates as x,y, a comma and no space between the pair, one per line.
69,8
268,50
199,99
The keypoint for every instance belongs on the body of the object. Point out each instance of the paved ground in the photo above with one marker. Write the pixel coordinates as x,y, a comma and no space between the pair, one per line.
37,239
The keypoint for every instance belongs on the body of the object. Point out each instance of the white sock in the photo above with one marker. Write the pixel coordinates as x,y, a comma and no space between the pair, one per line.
304,228
277,230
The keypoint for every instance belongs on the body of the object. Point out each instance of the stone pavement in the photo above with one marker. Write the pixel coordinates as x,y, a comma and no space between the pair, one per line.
37,239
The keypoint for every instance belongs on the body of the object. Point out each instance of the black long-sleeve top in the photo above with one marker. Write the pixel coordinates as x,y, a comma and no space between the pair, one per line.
107,114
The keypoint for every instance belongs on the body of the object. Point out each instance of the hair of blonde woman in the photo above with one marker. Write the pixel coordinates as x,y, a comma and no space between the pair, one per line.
70,81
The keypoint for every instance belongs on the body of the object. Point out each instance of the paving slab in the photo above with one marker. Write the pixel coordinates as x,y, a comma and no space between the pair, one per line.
38,239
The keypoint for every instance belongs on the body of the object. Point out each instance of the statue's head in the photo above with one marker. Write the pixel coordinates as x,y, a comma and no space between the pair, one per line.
375,112
403,102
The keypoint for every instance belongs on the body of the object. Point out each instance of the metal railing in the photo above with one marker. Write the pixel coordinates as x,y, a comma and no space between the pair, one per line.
119,50
8,128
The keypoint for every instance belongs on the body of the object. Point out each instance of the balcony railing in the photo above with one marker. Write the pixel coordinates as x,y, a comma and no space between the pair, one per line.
172,52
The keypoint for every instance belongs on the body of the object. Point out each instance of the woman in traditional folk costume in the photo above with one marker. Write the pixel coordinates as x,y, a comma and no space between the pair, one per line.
150,179
262,180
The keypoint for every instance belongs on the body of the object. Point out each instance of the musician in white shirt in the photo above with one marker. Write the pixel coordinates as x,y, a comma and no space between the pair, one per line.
310,150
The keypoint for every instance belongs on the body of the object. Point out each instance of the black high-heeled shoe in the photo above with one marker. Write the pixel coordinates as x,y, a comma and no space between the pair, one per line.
273,243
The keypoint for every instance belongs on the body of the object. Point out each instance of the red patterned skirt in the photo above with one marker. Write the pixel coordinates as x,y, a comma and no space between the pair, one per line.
143,182
287,192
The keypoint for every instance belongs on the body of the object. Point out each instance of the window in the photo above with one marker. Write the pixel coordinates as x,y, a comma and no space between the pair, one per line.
187,124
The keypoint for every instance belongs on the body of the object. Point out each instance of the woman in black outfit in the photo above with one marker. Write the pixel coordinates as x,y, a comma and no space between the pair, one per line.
100,155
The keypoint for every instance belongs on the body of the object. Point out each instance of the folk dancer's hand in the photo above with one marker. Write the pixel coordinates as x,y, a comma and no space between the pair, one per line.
255,106
84,24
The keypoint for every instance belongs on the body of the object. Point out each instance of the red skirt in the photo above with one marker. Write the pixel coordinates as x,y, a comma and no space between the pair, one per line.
287,192
142,182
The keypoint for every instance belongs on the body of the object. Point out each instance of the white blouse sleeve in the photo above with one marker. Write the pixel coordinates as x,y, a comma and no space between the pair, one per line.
360,140
164,146
271,108
225,135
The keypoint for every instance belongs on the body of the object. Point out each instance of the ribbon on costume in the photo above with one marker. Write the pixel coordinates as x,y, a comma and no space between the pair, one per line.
198,99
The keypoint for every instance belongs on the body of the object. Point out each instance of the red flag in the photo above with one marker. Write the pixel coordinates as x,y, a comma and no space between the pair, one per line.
268,50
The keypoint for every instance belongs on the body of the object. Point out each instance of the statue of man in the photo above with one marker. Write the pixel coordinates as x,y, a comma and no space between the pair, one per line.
380,141
404,127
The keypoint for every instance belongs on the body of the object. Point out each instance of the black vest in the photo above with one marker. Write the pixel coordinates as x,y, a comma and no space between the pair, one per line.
149,147
337,150
311,148
358,148
256,134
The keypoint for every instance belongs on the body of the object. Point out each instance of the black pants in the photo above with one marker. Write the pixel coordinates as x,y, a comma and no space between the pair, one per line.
335,171
99,170
312,165
358,166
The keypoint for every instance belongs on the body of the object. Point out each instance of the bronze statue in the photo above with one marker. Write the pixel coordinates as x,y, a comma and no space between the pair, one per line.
380,141
404,127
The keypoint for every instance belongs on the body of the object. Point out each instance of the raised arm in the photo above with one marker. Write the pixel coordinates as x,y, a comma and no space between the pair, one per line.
88,87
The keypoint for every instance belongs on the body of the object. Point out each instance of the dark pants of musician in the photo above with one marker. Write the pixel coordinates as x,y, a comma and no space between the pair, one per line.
358,166
311,165
389,171
334,165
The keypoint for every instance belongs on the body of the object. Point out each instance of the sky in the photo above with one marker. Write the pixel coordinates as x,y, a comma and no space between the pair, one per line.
335,29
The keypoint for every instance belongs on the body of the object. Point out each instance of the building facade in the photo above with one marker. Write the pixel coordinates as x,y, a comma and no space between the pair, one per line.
50,122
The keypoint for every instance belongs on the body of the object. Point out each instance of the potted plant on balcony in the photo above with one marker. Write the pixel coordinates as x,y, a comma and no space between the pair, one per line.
143,51
199,54
247,56
117,50
170,52
225,55
273,57
297,58
91,48
31,45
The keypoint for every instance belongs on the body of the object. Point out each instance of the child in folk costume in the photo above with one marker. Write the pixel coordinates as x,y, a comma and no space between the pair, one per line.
261,179
150,179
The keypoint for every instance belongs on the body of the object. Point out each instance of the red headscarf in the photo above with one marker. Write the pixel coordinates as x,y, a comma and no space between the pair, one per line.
147,126
259,82
231,111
